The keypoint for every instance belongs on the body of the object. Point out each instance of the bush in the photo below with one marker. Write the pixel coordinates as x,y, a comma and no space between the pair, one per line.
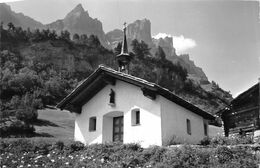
42,147
174,141
223,154
184,156
26,114
22,145
76,146
13,127
205,141
153,155
43,153
59,145
131,146
232,140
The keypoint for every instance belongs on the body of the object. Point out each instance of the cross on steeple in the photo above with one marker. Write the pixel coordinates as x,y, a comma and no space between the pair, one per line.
123,59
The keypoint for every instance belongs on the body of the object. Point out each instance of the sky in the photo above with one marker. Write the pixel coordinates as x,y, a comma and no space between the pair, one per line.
222,37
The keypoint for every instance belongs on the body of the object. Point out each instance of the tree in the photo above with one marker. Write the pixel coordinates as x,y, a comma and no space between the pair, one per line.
53,35
160,53
36,36
65,35
20,34
83,38
10,26
10,60
54,90
26,108
1,25
140,49
93,41
182,72
46,34
28,33
75,37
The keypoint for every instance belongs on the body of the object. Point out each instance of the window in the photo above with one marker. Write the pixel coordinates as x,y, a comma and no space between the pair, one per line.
136,117
188,127
92,124
205,129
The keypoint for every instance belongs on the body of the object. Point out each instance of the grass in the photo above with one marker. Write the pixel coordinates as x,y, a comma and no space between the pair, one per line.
59,150
55,124
41,153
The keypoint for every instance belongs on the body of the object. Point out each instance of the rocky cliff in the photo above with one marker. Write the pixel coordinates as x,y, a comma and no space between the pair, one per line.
140,30
78,21
114,37
167,46
195,73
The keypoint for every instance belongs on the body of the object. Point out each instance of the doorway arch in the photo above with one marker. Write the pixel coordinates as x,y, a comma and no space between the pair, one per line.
113,126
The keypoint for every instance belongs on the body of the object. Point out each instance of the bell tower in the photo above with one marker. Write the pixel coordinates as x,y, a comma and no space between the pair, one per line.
123,59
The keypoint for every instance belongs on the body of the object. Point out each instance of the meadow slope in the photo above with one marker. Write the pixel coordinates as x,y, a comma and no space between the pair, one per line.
55,123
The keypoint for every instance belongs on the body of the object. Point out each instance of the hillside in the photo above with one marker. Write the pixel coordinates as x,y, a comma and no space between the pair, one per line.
55,123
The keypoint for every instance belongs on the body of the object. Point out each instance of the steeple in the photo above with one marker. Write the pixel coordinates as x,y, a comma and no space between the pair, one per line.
124,49
123,59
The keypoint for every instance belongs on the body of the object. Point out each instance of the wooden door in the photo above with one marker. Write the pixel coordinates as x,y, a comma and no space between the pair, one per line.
118,129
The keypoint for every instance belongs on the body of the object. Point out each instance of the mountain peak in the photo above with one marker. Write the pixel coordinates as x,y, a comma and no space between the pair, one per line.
76,12
78,8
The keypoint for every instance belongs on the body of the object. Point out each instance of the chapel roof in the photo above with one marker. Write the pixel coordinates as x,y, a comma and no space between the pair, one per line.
104,75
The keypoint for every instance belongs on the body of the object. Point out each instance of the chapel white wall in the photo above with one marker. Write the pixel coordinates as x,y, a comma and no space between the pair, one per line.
127,97
174,124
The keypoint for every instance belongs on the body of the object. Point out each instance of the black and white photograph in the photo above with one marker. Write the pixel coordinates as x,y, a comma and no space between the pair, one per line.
129,84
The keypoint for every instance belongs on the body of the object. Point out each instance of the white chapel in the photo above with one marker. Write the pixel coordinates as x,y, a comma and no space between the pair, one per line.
113,106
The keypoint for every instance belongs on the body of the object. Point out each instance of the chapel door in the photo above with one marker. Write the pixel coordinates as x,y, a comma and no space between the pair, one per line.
118,129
